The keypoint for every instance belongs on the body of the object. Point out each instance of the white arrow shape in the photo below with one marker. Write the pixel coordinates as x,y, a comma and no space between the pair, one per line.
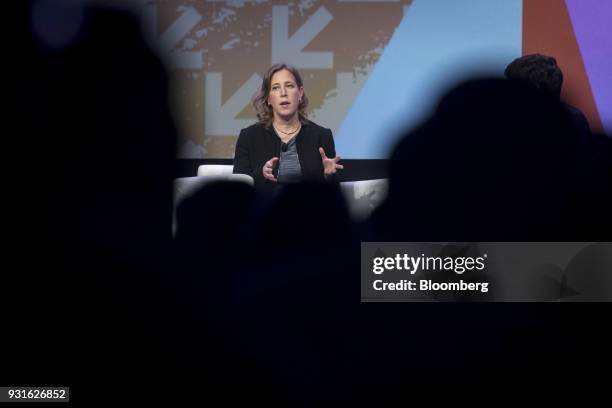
221,117
285,48
173,35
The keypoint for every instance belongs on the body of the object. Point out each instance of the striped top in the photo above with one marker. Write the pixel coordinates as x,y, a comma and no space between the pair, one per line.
289,170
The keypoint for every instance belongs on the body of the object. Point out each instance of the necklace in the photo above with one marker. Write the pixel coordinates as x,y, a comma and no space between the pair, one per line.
289,132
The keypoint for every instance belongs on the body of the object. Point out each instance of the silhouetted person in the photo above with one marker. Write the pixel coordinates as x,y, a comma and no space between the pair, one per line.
491,164
543,73
593,152
97,150
497,161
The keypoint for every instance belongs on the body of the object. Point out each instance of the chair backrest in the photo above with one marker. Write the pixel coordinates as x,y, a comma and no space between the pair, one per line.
186,186
362,197
215,169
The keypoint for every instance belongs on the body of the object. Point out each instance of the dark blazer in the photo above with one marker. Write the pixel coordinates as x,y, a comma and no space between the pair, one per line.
257,144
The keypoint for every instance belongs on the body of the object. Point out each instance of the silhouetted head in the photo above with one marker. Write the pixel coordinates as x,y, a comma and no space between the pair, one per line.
306,213
216,215
538,70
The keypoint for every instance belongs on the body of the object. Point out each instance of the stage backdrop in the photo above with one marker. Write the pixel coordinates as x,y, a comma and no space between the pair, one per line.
371,68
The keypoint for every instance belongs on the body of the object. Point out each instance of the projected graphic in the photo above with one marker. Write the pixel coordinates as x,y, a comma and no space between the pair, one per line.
219,50
371,68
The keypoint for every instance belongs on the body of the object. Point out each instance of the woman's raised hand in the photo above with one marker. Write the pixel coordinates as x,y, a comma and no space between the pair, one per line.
268,169
330,166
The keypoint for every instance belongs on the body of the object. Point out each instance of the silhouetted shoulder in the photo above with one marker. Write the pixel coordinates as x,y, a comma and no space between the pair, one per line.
579,121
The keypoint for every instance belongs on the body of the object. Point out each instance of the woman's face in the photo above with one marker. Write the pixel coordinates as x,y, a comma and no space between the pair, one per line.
285,95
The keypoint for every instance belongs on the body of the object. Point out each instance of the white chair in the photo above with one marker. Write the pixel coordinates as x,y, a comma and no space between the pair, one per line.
186,186
363,197
206,170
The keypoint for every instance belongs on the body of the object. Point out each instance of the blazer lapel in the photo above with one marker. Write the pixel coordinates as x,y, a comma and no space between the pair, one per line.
299,141
273,140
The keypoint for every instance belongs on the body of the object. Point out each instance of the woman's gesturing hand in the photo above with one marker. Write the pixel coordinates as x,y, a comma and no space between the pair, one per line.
330,166
268,169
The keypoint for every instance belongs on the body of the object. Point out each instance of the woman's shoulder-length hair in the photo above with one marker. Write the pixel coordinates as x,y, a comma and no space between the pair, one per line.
260,100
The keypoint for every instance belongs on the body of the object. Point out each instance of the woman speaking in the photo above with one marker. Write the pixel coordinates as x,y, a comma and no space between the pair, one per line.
284,146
